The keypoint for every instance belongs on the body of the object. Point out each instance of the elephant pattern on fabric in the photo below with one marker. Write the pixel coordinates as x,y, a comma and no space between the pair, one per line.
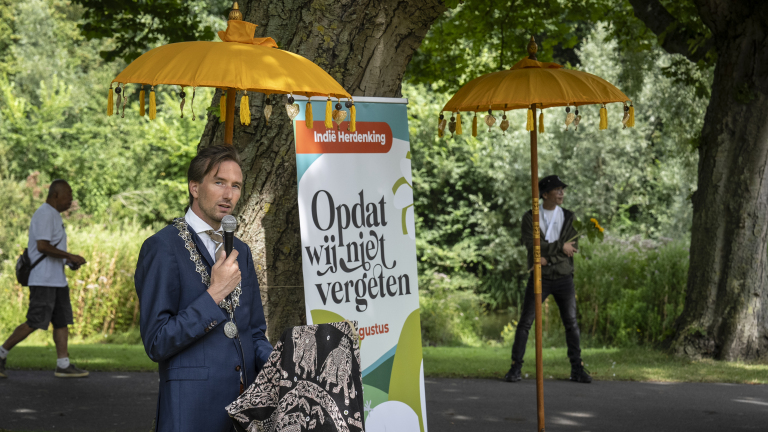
291,394
305,350
337,369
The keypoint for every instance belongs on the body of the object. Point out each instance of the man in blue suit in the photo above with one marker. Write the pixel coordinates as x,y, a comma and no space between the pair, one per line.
190,293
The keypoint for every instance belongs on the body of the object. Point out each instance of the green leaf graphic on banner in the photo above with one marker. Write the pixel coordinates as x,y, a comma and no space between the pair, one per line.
372,397
405,384
320,316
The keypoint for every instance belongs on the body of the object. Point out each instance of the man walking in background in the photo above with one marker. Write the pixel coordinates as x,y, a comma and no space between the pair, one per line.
48,289
557,249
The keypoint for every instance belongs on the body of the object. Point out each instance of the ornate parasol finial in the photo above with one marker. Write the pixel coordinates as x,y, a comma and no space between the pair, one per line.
235,14
532,49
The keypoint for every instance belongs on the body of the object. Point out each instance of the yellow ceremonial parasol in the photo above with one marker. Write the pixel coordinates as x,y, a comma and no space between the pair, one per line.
531,84
241,63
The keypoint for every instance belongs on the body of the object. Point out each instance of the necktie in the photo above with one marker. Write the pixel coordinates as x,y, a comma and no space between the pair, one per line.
217,238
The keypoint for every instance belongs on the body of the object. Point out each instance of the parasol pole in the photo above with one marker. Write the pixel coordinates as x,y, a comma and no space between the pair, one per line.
229,122
537,273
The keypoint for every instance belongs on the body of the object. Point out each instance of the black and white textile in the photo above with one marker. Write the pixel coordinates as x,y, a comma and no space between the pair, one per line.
312,381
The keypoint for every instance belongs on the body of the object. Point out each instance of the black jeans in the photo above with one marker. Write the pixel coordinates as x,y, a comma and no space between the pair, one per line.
565,296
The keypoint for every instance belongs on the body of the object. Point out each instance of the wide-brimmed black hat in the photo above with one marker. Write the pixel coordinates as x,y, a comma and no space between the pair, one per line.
550,182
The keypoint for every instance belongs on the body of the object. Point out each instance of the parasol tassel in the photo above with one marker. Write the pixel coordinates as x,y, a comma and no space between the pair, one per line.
308,116
193,103
440,126
142,95
631,122
458,123
529,123
328,115
603,118
118,92
125,96
474,126
152,104
183,96
541,122
353,118
245,110
110,102
223,106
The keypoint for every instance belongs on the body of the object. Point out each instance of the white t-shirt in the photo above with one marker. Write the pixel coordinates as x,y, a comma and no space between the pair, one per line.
551,219
198,225
47,225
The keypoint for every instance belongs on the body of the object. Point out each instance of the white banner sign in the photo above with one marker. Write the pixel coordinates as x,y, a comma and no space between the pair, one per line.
359,250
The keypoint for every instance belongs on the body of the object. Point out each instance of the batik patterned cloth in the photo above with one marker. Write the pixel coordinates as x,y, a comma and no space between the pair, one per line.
311,382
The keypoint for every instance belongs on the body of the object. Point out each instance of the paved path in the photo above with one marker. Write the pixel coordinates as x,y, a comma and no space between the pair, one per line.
125,402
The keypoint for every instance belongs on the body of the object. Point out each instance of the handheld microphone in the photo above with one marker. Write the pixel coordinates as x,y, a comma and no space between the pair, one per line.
229,224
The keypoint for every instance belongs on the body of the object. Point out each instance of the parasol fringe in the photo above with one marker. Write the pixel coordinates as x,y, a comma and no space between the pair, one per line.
152,104
458,123
440,126
245,110
603,118
631,122
310,122
541,122
328,114
353,118
142,95
529,123
110,101
223,106
474,126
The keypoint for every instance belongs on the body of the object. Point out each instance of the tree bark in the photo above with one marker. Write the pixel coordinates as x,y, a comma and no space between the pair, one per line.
365,46
726,308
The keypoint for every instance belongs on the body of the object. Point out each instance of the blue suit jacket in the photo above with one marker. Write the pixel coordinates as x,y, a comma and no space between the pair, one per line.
183,331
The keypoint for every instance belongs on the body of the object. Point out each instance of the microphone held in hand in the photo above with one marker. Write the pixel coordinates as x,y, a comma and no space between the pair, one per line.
229,224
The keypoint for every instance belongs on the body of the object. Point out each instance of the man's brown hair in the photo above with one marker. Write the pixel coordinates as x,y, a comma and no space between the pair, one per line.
208,159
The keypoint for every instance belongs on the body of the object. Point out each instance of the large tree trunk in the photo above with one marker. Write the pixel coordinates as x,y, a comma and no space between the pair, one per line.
366,46
726,308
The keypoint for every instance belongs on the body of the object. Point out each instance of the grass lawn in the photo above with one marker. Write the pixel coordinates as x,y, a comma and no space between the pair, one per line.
92,357
626,364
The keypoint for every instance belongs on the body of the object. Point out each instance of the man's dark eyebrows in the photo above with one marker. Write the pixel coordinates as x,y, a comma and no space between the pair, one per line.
223,179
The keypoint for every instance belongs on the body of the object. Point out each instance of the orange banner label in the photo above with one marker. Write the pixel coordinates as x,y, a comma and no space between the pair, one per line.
371,137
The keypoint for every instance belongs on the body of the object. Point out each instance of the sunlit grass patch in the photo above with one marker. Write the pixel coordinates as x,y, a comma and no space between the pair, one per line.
606,364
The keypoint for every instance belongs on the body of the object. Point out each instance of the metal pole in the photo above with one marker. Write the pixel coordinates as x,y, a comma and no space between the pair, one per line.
229,122
537,273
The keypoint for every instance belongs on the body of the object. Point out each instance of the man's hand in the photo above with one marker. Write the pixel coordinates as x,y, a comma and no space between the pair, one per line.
543,261
77,260
569,249
225,275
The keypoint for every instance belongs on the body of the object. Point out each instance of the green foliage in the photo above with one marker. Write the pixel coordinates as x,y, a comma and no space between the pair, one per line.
137,26
629,292
470,193
483,36
475,37
52,120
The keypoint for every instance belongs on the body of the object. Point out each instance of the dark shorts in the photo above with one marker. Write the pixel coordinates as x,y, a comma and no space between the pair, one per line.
49,305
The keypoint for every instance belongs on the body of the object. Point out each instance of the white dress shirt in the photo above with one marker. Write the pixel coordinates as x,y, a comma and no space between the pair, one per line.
199,226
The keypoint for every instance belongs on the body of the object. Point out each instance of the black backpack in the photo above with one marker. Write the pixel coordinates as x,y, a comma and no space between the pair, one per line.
24,266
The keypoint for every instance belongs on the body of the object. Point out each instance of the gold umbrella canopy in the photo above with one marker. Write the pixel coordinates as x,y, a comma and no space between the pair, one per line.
241,63
532,83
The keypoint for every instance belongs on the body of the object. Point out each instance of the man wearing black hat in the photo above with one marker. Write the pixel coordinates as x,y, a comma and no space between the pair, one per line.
557,249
